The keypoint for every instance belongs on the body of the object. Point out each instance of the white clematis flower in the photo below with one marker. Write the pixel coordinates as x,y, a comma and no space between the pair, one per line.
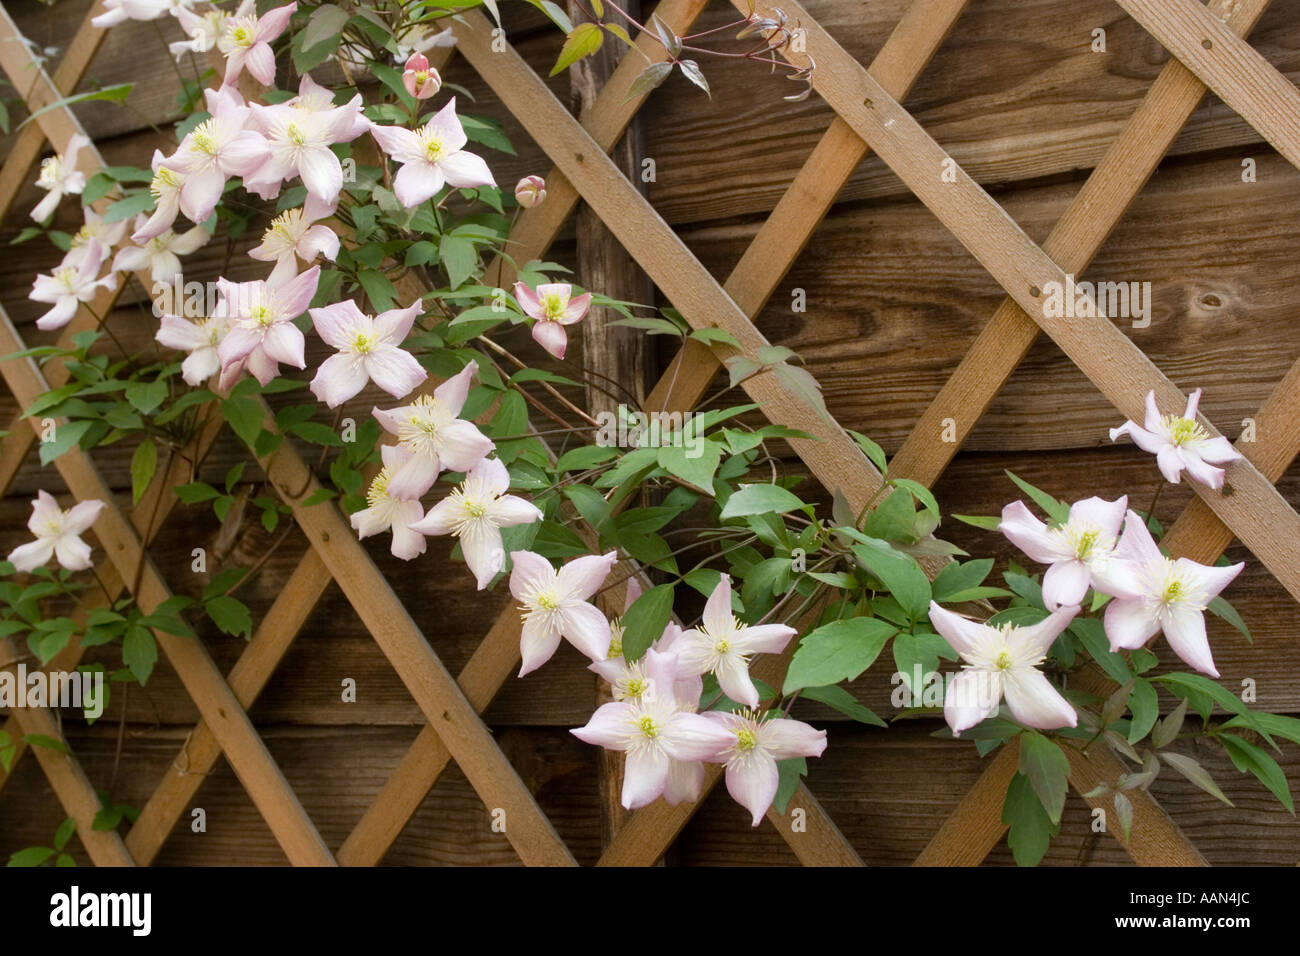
1180,443
58,534
1073,550
556,604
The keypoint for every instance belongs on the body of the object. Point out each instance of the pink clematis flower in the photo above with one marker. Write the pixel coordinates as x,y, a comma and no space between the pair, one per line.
200,339
1003,661
109,235
630,679
663,740
432,157
246,42
386,512
1180,443
1073,550
370,349
556,604
437,439
722,646
347,121
299,143
753,748
297,234
204,30
60,177
552,306
218,148
421,38
160,255
261,315
1153,593
70,285
475,512
530,191
58,534
419,79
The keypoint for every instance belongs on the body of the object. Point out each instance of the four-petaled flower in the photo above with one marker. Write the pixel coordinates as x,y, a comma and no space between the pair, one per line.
160,255
552,306
1083,543
370,349
200,339
60,177
246,41
58,534
475,512
754,747
431,157
261,315
297,234
1180,443
430,429
722,646
1003,661
70,285
1153,593
555,604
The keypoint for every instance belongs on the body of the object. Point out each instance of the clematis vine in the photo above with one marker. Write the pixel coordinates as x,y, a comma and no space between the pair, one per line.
552,306
200,339
58,534
60,177
436,438
370,350
431,157
386,512
246,41
754,746
1002,661
722,646
70,285
556,604
1073,550
261,330
1180,443
475,512
663,740
1153,593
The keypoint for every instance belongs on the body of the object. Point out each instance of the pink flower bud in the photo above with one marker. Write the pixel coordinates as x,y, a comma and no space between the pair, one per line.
530,191
420,80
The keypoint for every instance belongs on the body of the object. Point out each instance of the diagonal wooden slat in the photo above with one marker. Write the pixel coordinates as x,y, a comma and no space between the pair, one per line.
1253,508
1091,216
973,829
1228,65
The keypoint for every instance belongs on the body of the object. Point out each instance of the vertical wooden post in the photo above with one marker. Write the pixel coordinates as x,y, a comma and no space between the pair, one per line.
611,354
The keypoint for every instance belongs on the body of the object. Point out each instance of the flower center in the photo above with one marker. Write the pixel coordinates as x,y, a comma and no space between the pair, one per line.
295,135
649,729
363,343
634,687
746,740
68,276
244,32
1003,660
553,307
51,172
547,601
1184,431
163,179
616,637
378,491
433,147
204,138
261,315
1081,537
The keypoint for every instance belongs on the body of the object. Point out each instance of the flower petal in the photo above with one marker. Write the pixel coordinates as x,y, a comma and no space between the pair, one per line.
753,784
1129,624
1185,632
582,577
971,696
1035,702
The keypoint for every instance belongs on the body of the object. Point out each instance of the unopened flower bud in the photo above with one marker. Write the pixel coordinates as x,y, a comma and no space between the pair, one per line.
530,191
421,80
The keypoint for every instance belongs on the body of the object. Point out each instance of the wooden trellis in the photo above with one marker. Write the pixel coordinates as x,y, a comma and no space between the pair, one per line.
1210,53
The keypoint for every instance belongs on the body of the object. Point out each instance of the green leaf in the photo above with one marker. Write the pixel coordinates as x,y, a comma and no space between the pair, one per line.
137,202
231,615
955,577
1145,706
581,459
112,94
196,492
139,652
1197,774
316,433
691,70
840,650
245,417
584,40
1228,701
1048,770
66,436
1057,510
761,499
645,620
694,465
1031,828
64,833
32,856
459,257
987,522
840,699
650,78
1092,634
900,574
788,772
1221,608
1249,758
326,22
49,743
1124,813
379,289
143,465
